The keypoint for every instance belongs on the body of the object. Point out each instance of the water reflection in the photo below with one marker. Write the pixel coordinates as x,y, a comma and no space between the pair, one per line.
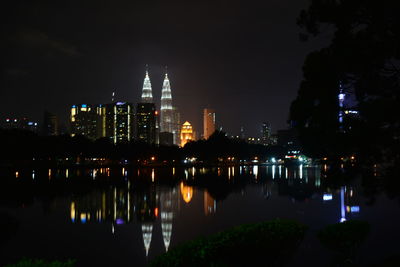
152,198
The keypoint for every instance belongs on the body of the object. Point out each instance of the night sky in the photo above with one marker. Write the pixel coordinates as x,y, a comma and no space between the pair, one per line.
242,58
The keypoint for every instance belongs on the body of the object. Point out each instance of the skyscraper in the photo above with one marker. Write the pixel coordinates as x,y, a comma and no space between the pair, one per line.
266,133
146,115
147,95
166,116
85,120
50,124
208,122
146,122
118,122
177,126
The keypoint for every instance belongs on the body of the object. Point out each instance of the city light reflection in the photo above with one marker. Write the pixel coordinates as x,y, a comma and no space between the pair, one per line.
255,171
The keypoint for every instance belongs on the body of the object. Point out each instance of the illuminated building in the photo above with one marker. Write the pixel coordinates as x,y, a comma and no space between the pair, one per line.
147,95
266,133
166,113
20,123
208,122
118,122
86,121
177,126
146,122
50,124
210,205
186,133
186,192
146,115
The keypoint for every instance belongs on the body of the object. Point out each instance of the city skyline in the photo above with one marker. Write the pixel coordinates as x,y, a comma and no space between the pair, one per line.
236,61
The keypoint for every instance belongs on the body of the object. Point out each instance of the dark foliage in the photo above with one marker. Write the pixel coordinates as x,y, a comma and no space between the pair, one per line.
270,243
364,58
344,239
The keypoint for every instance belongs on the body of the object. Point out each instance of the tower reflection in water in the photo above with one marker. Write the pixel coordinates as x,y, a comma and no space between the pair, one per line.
153,205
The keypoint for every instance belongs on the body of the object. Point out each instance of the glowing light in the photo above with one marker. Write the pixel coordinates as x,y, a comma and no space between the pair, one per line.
355,209
72,211
83,217
301,171
156,212
327,197
152,175
273,171
186,192
16,174
255,171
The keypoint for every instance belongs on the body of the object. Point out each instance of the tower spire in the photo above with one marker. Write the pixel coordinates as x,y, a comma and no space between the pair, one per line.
166,106
147,95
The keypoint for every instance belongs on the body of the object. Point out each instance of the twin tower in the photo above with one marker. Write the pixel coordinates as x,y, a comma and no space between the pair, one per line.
169,123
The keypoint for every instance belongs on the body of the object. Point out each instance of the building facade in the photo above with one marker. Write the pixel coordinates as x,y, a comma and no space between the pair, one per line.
118,122
50,124
86,121
266,133
146,122
208,122
166,111
187,133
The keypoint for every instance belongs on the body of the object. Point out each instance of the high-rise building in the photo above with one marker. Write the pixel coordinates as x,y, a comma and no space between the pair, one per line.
146,115
50,124
208,122
187,133
118,122
146,122
85,120
166,114
176,126
147,95
266,133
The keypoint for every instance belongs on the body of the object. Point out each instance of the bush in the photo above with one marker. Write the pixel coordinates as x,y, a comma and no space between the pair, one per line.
271,243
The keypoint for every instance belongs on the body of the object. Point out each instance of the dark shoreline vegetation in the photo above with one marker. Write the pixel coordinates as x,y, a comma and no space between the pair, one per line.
24,148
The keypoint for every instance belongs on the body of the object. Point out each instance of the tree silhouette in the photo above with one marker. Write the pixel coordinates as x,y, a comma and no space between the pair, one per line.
363,56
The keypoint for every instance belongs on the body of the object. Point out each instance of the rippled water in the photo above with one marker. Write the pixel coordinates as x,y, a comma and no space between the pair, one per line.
128,216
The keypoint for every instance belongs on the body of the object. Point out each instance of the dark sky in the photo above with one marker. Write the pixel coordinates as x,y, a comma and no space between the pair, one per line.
242,58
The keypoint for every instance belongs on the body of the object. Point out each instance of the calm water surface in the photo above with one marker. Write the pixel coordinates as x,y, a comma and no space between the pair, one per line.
128,216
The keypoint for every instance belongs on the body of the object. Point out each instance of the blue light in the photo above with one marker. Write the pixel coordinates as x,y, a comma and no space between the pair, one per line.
120,103
30,123
84,106
327,197
355,209
73,106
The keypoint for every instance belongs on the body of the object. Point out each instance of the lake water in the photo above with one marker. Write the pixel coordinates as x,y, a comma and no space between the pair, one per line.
128,216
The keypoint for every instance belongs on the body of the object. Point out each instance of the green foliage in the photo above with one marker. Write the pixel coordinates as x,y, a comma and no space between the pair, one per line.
42,263
271,243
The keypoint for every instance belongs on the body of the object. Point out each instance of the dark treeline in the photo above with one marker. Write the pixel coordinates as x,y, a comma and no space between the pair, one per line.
24,146
362,59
